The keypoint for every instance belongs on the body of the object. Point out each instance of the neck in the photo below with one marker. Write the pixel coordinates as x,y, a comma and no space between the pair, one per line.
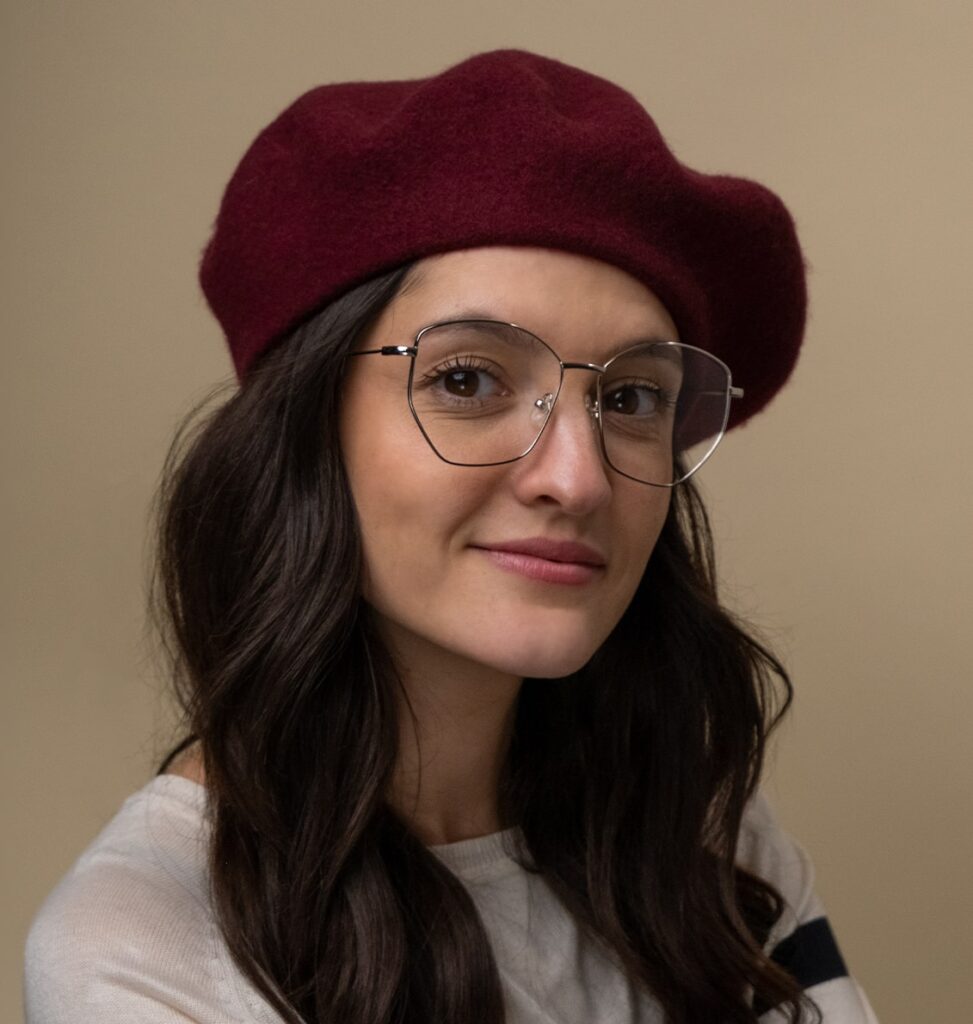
455,725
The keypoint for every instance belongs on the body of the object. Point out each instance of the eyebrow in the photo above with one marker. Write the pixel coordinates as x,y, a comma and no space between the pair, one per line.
479,313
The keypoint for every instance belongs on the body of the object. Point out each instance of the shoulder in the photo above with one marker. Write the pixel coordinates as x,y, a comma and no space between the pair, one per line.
802,941
772,854
128,934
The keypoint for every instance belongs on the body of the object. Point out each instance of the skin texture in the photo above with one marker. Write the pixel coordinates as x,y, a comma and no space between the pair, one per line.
463,629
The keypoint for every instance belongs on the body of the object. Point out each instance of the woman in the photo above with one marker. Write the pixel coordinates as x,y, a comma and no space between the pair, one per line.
468,735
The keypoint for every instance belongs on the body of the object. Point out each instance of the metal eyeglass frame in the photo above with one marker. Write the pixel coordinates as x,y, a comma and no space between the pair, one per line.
594,409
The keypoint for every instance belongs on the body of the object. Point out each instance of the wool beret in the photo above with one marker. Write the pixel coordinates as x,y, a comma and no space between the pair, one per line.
505,148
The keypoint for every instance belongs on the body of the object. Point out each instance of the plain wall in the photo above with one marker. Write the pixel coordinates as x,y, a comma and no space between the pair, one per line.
843,513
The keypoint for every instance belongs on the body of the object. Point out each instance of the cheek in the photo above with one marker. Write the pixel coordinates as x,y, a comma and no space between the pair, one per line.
640,525
412,519
639,519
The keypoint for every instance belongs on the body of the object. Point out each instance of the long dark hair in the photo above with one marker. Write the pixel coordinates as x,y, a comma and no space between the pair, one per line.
628,779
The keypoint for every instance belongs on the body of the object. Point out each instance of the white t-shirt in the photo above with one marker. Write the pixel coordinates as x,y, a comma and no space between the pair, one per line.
129,936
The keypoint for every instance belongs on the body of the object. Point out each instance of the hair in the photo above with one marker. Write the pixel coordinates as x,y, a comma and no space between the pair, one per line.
628,779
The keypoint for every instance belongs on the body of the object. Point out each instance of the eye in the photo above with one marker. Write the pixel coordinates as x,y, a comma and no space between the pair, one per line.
634,399
468,383
464,379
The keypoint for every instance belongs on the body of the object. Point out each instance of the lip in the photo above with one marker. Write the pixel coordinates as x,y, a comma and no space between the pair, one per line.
546,560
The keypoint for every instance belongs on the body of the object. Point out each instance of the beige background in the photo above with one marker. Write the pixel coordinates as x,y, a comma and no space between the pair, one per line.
843,513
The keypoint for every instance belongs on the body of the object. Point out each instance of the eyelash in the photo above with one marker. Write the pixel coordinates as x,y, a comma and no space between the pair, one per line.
662,393
434,378
465,364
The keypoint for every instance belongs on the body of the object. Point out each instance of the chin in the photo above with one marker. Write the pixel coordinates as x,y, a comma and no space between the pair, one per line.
535,643
539,661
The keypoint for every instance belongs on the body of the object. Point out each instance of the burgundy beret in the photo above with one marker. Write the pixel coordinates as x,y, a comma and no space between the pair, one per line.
507,147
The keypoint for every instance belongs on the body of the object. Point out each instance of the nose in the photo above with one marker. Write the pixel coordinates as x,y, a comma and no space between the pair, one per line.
566,466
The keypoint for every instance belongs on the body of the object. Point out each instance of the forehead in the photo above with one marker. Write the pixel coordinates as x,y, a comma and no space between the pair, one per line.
570,300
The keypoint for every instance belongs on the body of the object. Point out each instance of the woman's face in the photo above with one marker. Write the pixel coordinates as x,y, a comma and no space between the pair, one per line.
439,571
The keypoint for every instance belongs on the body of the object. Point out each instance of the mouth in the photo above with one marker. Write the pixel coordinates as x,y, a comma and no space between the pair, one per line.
549,561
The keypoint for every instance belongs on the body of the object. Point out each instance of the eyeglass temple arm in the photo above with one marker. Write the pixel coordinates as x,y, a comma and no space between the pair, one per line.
388,350
733,392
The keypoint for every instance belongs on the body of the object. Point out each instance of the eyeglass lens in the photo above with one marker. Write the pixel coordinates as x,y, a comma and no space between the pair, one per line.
482,393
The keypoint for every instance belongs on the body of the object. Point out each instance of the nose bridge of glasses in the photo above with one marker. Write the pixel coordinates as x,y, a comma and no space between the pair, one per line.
590,402
544,405
593,367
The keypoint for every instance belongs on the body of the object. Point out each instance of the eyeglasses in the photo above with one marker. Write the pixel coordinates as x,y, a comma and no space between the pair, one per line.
482,392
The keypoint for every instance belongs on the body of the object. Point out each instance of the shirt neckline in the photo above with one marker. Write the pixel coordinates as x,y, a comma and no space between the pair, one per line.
461,857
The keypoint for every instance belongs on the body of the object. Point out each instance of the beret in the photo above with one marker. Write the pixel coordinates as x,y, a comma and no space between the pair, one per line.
505,148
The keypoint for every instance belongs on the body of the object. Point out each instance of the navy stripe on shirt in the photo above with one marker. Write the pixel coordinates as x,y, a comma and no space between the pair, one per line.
810,955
